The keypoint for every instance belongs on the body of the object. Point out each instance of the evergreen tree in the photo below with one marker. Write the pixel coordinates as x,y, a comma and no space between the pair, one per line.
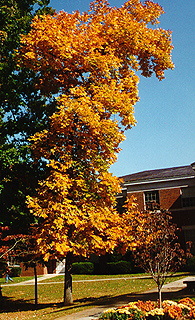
22,112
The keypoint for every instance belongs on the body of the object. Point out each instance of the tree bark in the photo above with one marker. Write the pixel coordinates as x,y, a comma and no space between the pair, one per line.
68,299
36,285
160,296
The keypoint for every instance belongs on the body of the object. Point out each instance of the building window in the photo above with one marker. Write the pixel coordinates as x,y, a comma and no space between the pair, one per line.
188,202
189,233
152,201
188,197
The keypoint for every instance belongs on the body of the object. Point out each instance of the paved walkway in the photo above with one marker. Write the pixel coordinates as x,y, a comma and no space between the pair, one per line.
41,279
32,281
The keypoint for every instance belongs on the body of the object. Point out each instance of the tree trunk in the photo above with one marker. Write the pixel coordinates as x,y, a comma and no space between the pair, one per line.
160,296
68,299
36,285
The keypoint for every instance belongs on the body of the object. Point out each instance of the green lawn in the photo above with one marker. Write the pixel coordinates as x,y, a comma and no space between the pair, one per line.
16,280
86,294
80,277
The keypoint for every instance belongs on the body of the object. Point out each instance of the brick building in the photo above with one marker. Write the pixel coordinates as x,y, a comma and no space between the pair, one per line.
171,188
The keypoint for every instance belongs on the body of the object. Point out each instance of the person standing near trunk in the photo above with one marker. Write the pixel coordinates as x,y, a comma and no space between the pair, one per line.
7,275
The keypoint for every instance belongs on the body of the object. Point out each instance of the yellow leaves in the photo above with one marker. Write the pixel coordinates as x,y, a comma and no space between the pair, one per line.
61,248
96,42
90,61
3,36
81,227
35,207
147,12
103,64
30,55
107,180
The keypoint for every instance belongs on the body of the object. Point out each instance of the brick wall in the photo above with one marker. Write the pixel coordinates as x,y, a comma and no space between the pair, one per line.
170,198
30,271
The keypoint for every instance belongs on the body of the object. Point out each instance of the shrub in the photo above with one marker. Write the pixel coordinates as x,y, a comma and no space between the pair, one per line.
190,265
120,267
82,268
15,272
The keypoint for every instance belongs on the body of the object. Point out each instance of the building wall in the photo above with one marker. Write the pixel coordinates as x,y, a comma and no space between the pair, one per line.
184,217
170,198
30,271
170,190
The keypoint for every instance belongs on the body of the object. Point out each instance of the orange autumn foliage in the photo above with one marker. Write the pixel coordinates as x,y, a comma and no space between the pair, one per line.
90,60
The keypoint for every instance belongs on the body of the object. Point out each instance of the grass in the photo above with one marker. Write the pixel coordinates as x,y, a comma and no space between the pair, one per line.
80,277
16,280
19,303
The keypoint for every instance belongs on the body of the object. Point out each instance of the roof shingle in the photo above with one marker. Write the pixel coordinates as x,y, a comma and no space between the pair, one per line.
162,174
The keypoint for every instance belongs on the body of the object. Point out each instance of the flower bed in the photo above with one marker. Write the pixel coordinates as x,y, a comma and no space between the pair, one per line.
149,310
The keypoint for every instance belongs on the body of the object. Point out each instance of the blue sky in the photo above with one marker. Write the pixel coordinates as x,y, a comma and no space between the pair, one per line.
165,133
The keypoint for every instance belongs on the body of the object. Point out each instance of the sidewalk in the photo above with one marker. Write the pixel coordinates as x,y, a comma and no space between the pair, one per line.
41,279
94,313
30,282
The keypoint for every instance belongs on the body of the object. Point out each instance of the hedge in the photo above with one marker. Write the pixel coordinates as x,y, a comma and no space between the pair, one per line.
15,272
120,267
82,268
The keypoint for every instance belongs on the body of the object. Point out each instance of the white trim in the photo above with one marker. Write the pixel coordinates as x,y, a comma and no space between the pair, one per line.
183,209
154,181
188,227
157,189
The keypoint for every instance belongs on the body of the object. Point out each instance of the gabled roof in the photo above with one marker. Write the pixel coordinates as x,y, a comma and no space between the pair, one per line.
160,174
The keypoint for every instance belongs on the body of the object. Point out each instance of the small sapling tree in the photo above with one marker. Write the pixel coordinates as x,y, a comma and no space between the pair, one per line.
158,251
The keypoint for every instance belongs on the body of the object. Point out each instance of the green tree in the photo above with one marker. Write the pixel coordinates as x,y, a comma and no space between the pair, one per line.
22,111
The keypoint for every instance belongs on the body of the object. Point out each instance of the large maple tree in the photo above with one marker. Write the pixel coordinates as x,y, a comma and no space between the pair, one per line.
89,62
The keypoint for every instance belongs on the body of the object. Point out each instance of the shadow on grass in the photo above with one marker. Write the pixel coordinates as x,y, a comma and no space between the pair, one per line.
126,298
149,296
106,302
8,305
